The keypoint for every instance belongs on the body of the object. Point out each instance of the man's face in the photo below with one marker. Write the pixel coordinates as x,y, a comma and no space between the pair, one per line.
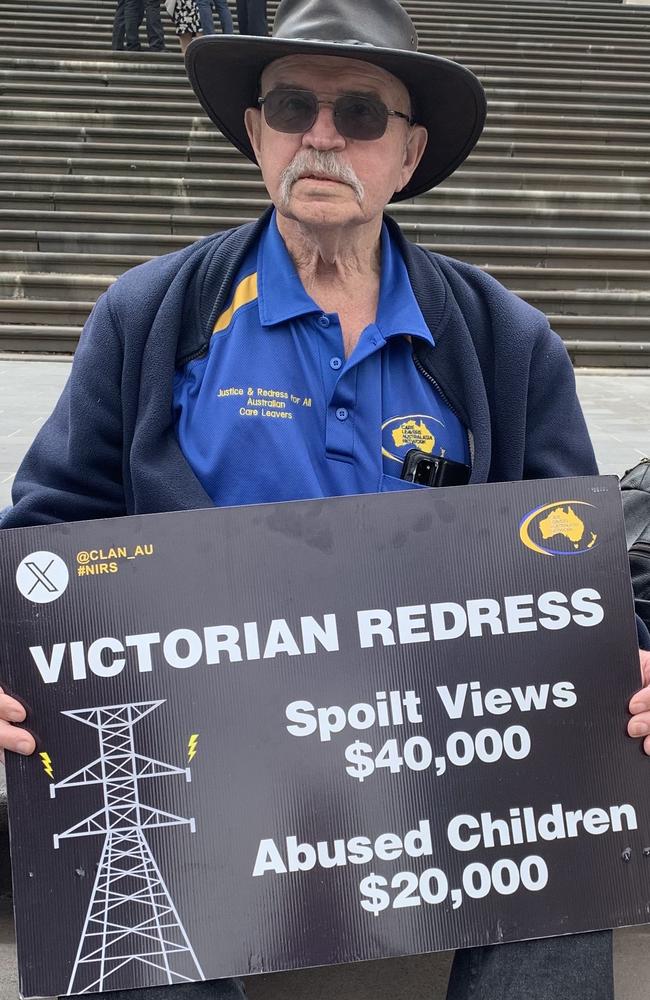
297,167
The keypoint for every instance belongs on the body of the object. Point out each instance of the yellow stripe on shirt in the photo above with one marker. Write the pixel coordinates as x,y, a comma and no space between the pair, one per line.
245,292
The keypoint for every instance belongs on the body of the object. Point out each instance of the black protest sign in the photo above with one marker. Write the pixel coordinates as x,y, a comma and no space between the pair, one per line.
317,732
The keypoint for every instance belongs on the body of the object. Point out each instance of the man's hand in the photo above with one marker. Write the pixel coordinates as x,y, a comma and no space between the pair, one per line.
12,737
639,724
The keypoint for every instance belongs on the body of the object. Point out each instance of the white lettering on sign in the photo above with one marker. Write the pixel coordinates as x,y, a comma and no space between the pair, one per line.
483,617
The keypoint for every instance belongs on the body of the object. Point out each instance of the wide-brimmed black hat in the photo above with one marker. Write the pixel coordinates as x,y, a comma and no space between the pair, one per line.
447,99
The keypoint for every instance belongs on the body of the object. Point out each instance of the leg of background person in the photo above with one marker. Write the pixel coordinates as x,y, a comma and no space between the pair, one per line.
118,26
205,14
242,16
155,30
184,41
218,989
133,11
257,17
223,10
575,967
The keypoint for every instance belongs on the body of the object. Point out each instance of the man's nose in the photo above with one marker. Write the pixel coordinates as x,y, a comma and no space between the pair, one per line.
323,134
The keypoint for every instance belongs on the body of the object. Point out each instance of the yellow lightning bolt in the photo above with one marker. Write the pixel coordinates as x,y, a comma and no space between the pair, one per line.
47,764
191,747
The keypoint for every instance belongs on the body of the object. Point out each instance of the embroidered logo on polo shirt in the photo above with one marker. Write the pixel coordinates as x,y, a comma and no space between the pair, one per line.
256,401
415,430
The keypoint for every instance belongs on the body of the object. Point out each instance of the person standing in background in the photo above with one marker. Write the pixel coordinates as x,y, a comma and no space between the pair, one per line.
155,31
119,26
186,21
207,22
251,15
129,15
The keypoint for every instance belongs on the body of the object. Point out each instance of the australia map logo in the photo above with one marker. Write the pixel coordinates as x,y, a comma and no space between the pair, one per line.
562,528
400,434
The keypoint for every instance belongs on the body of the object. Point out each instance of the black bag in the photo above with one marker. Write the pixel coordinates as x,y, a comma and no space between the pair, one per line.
635,490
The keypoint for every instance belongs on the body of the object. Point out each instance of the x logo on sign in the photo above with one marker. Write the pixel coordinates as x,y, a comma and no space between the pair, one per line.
41,577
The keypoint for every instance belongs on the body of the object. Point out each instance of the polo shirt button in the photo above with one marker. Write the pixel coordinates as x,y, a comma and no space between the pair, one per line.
342,413
335,363
324,320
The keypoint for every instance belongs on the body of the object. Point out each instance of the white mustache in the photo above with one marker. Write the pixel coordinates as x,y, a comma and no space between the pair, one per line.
322,162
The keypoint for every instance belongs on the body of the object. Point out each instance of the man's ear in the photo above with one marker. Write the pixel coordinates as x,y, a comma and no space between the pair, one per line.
413,152
253,123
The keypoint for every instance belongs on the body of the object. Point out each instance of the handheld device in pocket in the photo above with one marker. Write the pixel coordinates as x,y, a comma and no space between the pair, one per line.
431,470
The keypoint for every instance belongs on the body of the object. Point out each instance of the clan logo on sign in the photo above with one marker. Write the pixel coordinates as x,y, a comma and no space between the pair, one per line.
559,529
42,577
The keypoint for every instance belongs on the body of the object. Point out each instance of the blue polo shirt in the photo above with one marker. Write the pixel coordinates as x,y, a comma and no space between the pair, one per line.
275,411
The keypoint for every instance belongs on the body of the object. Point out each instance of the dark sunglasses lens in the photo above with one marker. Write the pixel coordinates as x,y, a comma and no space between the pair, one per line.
360,117
290,110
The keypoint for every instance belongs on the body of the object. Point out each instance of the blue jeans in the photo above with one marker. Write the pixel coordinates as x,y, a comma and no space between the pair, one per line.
134,11
576,967
251,15
218,989
118,26
207,22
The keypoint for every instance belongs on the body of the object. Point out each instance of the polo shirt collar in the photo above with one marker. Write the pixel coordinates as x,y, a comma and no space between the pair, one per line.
281,295
397,310
280,291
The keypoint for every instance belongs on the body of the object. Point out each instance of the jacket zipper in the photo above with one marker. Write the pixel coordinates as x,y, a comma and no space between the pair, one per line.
429,377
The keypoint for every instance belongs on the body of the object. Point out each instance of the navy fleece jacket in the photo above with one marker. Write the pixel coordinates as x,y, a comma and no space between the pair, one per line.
110,448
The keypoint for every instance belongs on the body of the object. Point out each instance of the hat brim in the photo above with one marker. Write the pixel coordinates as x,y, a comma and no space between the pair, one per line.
448,100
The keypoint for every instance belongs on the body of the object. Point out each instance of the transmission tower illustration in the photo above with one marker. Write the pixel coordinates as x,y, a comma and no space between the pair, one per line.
131,918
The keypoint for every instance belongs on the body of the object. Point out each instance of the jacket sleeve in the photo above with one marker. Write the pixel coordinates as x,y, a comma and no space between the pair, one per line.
557,439
73,470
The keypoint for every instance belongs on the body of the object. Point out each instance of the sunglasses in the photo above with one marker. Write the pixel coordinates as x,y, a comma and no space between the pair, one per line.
355,115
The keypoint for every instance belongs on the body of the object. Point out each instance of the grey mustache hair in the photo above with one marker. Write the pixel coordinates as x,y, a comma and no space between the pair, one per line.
307,161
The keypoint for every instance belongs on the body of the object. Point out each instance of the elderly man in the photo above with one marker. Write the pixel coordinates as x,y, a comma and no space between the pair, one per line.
322,298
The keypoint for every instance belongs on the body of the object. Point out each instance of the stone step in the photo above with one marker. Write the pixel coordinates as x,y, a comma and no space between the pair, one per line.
611,326
607,14
157,209
632,121
590,303
486,172
554,201
584,50
62,288
550,72
75,253
631,135
479,55
70,266
39,339
559,303
620,26
612,22
580,285
211,154
527,94
199,192
157,234
629,348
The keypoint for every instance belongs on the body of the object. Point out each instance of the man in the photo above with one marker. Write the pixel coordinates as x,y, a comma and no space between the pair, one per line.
251,16
324,297
207,21
134,13
117,41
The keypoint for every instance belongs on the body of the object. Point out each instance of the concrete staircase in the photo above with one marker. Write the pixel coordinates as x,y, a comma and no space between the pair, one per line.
106,159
